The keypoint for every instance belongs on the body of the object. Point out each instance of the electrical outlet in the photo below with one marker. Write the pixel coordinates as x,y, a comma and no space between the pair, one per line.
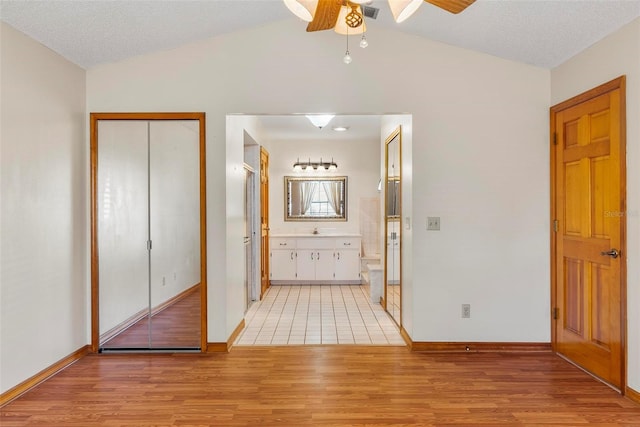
466,311
433,223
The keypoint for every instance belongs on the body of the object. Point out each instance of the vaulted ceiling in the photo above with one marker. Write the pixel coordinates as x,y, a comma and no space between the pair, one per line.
544,33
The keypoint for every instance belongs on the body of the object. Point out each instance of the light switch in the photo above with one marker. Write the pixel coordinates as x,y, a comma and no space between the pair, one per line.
433,223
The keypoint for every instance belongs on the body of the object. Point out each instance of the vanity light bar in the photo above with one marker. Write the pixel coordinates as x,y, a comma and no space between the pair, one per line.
301,166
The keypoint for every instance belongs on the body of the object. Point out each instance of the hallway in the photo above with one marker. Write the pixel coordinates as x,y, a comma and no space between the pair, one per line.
318,314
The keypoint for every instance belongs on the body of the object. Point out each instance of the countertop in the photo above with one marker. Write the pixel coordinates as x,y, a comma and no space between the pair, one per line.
296,235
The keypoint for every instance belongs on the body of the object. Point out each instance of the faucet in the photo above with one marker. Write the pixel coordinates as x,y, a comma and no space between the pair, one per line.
315,230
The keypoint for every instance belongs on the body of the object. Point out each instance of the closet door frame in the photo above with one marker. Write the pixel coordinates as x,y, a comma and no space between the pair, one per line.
95,282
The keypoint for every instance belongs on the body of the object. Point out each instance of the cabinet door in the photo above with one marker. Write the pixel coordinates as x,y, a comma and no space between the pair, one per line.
347,265
283,264
306,264
325,264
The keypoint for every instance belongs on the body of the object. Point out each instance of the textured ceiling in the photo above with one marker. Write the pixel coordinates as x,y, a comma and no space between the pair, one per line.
544,33
90,32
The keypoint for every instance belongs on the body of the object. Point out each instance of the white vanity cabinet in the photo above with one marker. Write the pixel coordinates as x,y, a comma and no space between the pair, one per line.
315,259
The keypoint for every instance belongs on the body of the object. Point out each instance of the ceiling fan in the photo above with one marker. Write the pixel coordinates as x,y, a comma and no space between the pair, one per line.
327,14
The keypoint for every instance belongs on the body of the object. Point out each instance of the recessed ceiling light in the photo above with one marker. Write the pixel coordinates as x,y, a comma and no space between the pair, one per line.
340,128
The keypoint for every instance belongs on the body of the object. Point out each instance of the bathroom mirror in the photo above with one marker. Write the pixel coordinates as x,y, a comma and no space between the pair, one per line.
315,198
393,212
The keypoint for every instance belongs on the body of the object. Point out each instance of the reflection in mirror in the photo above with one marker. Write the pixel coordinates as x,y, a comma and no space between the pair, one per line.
393,197
316,198
393,245
148,229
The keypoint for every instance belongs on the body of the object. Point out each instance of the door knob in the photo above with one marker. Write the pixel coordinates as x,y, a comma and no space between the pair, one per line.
613,253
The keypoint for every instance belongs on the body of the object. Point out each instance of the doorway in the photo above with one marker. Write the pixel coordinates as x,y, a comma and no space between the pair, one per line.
588,253
148,232
356,145
249,237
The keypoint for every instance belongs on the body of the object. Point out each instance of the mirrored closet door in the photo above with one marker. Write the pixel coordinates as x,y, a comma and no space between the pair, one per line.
393,230
147,231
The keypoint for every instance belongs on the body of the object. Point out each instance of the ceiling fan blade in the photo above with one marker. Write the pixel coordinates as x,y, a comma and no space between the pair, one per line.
453,6
326,15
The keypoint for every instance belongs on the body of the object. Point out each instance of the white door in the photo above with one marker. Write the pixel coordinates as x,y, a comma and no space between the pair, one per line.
347,265
283,264
306,262
324,264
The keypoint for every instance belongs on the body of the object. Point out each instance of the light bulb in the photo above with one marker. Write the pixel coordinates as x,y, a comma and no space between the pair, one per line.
363,42
347,58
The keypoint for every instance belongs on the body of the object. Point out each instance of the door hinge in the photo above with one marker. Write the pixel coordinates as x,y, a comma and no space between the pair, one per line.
556,313
555,225
149,245
555,138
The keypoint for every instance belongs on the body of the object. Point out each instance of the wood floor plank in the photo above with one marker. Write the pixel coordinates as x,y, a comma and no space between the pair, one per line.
324,386
176,326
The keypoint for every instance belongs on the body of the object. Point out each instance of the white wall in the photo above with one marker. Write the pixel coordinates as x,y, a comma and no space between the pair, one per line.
44,258
480,157
612,57
359,161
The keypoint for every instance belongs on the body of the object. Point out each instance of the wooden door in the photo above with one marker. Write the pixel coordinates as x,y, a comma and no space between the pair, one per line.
264,221
588,209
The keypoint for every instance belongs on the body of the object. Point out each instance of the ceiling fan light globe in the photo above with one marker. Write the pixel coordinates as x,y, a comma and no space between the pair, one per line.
403,9
303,9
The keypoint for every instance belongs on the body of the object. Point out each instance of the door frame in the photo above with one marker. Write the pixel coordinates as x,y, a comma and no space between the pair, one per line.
250,188
397,132
263,173
95,282
617,83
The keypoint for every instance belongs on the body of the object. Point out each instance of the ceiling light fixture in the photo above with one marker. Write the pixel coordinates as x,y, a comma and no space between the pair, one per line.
351,16
403,9
340,128
299,166
320,120
303,9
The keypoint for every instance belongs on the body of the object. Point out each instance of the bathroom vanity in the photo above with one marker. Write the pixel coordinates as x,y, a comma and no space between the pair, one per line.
315,259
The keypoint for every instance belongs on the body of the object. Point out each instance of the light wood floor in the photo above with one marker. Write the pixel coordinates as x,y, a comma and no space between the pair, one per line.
177,326
322,385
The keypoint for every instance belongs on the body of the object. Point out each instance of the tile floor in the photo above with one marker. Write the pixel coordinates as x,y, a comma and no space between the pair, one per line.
318,314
